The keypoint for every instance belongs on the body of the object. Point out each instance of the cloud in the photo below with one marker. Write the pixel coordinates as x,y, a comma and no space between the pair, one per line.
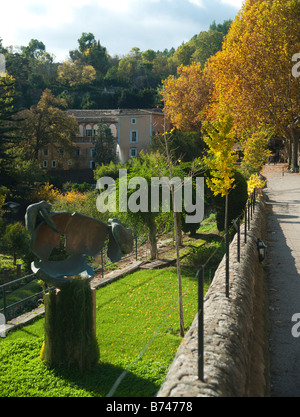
118,24
235,3
198,3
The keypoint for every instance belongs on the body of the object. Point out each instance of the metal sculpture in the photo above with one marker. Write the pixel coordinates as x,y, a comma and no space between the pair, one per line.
84,236
70,324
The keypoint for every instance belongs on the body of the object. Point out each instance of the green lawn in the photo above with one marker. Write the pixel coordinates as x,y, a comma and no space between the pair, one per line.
137,332
137,328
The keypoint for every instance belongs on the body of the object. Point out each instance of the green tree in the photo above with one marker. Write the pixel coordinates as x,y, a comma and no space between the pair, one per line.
184,53
207,44
35,49
16,240
91,53
185,146
8,137
105,151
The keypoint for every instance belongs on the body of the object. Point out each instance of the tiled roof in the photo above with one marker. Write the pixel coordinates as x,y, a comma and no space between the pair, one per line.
109,115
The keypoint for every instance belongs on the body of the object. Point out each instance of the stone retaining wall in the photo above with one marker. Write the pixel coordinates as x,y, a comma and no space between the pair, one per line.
235,363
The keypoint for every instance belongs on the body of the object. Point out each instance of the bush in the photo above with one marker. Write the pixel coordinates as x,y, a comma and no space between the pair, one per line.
213,252
16,240
236,202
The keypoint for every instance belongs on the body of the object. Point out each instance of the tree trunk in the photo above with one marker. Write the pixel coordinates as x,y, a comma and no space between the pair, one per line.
152,237
290,153
177,240
295,139
181,319
179,228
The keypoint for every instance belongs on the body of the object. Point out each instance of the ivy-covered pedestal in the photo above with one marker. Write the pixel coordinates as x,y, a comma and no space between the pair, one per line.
70,328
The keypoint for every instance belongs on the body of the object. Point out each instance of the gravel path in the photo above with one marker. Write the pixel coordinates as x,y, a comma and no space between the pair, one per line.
283,279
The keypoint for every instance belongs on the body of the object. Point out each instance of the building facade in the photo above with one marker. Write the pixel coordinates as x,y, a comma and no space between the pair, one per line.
132,130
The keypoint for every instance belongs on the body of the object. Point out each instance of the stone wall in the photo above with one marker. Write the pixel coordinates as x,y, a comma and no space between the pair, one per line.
235,359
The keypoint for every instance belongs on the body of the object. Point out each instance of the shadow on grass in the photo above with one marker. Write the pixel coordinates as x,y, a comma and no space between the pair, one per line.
100,380
208,237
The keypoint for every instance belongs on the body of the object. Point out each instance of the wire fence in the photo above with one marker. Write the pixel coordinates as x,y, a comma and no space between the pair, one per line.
8,287
244,220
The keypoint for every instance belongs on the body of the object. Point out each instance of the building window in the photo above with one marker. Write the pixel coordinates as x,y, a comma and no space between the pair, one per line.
60,152
93,152
133,136
133,121
113,130
45,152
69,162
45,164
89,132
53,164
133,152
77,152
92,164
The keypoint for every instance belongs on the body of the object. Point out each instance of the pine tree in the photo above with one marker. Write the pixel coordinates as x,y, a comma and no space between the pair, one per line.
8,127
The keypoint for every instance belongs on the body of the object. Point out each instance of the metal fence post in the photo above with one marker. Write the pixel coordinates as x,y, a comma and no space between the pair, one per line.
200,276
245,223
248,216
227,263
4,301
136,249
102,270
239,240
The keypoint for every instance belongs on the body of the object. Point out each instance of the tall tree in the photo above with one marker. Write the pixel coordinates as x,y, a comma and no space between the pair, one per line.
186,96
105,149
75,74
46,123
8,137
91,53
207,44
220,160
253,71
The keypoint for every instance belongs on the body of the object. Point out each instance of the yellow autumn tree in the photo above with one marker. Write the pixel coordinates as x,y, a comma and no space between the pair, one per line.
220,160
74,74
255,147
186,96
45,192
254,70
220,157
255,182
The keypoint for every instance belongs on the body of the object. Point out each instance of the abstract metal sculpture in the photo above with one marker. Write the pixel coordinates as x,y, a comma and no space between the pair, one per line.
84,236
70,328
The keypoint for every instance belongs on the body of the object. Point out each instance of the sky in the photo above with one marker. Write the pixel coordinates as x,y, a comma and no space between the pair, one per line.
119,25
